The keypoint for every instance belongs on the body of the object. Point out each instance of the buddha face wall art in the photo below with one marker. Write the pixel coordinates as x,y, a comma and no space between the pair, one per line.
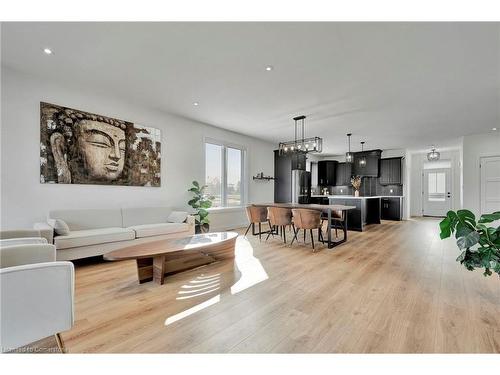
78,147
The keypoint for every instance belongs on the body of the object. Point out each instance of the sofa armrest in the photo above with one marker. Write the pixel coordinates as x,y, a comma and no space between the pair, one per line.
191,220
19,233
23,241
46,231
36,302
17,255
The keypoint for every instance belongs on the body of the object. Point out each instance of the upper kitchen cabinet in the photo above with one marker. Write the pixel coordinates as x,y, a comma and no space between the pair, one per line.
327,170
390,171
344,173
371,167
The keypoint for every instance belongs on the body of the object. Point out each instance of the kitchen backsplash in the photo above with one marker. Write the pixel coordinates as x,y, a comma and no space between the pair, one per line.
369,187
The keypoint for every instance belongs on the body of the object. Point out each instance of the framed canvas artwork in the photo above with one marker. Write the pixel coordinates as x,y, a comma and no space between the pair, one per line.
78,147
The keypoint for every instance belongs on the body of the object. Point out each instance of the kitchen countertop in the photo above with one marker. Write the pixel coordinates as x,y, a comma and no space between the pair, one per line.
353,197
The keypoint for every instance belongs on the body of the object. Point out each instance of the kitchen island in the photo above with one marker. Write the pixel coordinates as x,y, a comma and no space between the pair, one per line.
369,209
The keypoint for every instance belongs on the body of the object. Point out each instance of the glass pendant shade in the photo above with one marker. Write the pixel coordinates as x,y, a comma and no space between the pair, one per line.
433,155
362,160
349,156
301,144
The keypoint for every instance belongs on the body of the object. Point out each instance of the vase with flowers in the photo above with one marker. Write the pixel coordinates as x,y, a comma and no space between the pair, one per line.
356,184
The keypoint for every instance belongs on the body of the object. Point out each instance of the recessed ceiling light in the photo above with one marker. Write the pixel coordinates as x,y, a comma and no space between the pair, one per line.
269,68
494,129
196,104
47,51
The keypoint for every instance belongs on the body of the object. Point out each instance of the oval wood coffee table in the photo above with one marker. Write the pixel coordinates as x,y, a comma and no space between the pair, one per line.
155,259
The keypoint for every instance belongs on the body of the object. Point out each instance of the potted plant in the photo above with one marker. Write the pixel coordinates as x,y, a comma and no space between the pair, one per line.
200,202
356,184
480,244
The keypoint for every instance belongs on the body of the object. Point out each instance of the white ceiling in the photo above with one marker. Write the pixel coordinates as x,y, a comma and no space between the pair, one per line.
394,85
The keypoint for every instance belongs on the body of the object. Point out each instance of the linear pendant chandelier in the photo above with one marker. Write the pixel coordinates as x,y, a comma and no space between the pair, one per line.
301,144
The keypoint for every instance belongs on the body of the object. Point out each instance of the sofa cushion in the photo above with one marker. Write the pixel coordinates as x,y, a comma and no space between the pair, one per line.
144,215
89,218
93,237
148,230
177,217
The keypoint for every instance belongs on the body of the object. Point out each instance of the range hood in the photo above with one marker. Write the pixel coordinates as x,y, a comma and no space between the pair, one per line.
372,166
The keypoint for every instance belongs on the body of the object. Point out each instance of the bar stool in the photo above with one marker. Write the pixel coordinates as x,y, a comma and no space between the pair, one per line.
279,217
256,215
307,219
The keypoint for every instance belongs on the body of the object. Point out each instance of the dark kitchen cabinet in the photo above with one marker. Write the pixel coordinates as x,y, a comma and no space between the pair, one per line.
282,178
371,168
283,166
320,200
390,171
390,209
355,217
343,175
327,170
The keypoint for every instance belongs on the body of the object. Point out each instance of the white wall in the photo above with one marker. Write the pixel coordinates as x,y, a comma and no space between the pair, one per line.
475,147
24,200
415,179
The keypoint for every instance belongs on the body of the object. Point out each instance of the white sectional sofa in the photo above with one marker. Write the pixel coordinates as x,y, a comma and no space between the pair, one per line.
99,231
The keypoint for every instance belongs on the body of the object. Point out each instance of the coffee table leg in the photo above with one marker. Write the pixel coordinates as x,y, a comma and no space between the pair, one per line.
159,269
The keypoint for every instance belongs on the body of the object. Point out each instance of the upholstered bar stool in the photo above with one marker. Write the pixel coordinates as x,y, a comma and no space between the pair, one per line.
307,220
256,215
279,217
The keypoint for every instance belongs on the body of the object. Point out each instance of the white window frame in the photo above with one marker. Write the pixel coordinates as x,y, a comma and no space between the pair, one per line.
243,185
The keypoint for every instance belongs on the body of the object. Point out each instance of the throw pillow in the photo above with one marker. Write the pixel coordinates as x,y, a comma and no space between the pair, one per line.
60,227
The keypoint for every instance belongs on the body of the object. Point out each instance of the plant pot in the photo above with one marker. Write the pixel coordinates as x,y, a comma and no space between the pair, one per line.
198,229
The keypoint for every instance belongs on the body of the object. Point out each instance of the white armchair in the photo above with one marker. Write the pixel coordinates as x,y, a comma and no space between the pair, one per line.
19,233
36,293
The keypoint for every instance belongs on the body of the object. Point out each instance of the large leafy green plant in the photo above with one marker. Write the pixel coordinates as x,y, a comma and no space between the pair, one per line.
480,244
200,202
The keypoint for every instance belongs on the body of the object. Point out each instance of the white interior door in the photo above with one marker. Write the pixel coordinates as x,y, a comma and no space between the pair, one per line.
490,184
437,192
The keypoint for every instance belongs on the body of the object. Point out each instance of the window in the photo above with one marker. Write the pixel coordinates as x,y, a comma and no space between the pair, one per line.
213,172
437,186
224,174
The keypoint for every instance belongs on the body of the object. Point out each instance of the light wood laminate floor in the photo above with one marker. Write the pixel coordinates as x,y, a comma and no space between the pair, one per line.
395,288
